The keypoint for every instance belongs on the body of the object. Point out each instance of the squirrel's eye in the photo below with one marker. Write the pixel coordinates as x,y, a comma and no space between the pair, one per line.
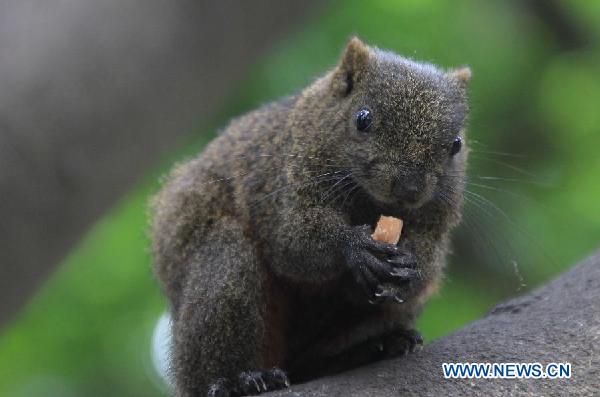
456,146
364,119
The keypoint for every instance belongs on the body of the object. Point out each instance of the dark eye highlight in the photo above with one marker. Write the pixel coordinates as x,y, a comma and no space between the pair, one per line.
456,146
364,119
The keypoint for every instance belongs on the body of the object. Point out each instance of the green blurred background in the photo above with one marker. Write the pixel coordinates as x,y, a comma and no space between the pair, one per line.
535,124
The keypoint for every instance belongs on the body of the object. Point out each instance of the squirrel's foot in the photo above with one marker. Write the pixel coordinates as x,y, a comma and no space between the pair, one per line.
401,342
250,383
393,344
375,265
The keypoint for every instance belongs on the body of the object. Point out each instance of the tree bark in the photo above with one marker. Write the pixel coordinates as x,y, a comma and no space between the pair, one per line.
92,93
559,322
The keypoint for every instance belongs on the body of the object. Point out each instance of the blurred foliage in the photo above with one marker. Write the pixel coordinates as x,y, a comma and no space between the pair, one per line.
535,123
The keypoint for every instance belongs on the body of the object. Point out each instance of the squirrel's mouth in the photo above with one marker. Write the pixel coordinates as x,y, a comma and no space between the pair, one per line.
396,206
412,205
397,194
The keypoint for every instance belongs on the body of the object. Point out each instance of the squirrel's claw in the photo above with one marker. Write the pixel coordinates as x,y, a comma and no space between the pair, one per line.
276,379
384,293
221,388
402,342
413,339
403,258
252,383
404,273
249,383
397,299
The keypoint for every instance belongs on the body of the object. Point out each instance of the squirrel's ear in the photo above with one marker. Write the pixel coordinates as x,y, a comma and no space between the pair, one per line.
354,61
462,76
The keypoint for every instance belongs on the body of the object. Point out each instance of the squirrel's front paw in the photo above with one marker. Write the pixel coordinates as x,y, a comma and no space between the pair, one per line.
376,265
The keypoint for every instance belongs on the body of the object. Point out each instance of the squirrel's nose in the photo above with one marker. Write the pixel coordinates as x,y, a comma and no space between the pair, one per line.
409,191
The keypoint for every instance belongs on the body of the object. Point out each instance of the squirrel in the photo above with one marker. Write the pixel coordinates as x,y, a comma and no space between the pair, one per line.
263,243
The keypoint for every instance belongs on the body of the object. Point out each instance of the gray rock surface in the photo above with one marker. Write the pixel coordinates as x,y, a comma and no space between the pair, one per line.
559,322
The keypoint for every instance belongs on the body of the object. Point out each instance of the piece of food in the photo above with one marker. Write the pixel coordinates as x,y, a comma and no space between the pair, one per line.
388,230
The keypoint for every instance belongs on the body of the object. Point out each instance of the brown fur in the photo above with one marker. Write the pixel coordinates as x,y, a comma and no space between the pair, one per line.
277,312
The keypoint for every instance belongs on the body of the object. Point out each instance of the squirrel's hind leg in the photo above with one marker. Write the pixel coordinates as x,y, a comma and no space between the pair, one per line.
222,341
357,344
393,344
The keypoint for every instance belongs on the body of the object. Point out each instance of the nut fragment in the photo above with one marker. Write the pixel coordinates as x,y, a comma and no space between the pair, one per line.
388,230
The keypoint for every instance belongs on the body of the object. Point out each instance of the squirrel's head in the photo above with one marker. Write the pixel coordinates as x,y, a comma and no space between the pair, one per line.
395,123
